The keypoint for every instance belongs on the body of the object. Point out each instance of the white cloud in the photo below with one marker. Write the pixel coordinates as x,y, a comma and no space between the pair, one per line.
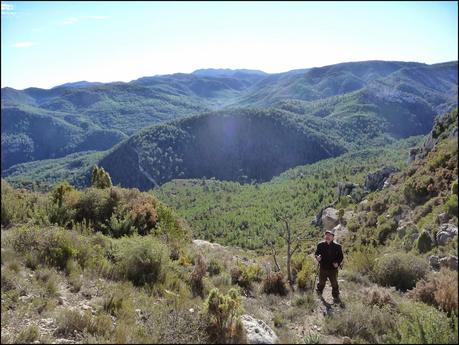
25,44
7,9
70,21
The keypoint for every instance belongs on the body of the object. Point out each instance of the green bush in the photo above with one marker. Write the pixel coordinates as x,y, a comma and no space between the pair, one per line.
28,335
52,246
424,242
214,268
401,270
245,275
363,260
423,324
141,260
387,227
451,206
305,277
417,189
274,283
223,312
454,187
358,320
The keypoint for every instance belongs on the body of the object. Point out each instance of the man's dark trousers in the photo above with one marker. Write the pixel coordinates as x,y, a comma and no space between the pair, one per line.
332,275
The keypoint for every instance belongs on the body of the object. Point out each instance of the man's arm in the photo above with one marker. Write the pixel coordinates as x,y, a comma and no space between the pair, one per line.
318,251
340,255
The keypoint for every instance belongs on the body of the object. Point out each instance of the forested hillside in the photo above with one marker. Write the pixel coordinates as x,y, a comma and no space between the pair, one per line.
380,98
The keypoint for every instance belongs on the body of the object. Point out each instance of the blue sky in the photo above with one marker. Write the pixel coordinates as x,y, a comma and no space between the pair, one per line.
44,44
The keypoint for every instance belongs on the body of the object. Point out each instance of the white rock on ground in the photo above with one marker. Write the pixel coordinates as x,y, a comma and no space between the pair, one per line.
257,331
330,218
202,243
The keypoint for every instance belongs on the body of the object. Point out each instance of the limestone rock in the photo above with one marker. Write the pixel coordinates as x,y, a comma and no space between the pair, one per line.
447,231
375,181
257,331
330,218
443,218
449,261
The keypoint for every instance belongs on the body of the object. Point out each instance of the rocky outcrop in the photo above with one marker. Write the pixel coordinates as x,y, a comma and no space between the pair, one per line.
340,231
438,261
329,218
318,218
375,181
257,331
351,190
447,232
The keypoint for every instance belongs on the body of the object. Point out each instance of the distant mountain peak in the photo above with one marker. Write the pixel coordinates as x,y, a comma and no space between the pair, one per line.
80,83
226,72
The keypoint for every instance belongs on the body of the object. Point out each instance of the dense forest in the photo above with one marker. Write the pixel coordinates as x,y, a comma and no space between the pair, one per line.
116,265
369,102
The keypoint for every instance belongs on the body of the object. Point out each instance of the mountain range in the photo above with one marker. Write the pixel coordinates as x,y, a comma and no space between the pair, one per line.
243,125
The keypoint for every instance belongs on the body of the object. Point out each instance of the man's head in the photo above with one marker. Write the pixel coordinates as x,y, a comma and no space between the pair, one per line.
329,235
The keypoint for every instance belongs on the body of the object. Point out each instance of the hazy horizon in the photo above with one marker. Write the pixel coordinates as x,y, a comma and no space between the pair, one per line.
217,68
45,44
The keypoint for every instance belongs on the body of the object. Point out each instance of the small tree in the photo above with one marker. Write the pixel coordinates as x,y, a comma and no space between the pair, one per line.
60,191
100,178
293,238
424,242
224,312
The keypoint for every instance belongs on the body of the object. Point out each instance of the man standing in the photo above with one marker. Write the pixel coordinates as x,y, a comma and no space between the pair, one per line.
330,255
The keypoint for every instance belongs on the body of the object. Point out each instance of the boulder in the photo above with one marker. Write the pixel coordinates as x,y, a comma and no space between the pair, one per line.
257,331
434,262
406,228
442,218
340,230
345,188
447,232
329,218
375,181
203,243
413,153
449,261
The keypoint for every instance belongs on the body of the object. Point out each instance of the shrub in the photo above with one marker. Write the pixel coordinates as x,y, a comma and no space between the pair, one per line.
363,260
223,312
214,268
16,206
142,260
100,178
423,324
72,321
439,290
400,270
274,284
370,323
305,277
386,228
378,296
245,275
52,246
199,271
424,243
28,335
451,206
454,187
118,302
417,189
306,301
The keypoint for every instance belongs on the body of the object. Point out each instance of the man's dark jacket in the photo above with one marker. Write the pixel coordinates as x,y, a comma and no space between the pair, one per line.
330,253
